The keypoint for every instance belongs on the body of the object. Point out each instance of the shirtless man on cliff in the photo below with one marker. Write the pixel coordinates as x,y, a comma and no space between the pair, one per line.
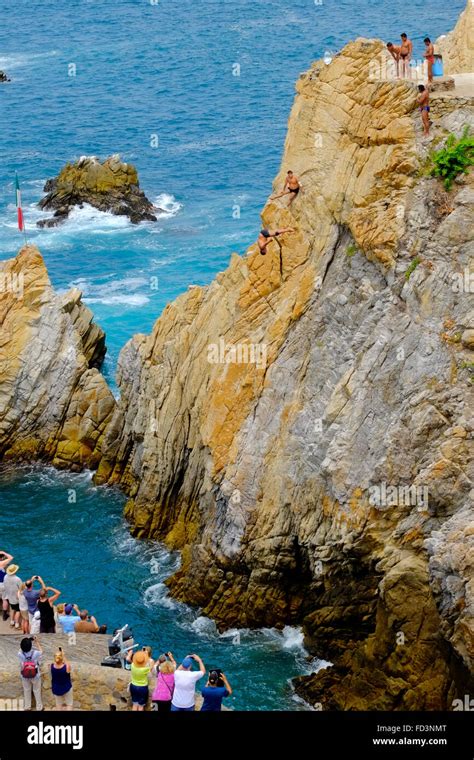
394,51
429,55
265,237
423,100
291,188
406,52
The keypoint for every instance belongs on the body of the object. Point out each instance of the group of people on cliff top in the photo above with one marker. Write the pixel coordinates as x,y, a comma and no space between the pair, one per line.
31,607
175,685
174,688
402,55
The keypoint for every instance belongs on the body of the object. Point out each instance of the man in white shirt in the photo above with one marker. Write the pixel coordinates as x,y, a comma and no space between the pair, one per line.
185,682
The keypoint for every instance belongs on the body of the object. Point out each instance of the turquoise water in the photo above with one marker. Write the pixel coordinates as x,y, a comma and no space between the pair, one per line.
60,526
147,71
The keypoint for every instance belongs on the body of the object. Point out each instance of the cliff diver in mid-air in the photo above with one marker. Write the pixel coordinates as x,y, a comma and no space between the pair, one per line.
267,235
291,188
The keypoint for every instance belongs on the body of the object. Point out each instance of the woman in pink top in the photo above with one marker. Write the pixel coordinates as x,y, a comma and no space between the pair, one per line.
164,687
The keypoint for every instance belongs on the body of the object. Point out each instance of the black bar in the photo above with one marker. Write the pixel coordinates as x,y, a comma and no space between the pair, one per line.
308,734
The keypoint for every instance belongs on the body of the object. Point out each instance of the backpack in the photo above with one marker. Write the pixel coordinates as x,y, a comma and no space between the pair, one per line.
28,668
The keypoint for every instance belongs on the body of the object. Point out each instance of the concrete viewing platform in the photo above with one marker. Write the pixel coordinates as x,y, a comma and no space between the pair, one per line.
95,687
456,85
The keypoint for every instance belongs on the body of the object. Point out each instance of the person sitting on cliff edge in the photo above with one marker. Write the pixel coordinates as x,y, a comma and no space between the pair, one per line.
68,620
88,624
266,236
423,100
292,187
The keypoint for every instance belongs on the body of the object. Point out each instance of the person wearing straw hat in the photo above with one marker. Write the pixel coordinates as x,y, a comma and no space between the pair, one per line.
5,559
142,665
11,590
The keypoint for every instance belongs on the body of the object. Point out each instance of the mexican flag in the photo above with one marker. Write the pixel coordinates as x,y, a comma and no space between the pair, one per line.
21,222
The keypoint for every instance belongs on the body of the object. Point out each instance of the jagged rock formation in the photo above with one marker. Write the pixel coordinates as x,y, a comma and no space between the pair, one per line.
457,47
302,427
54,403
109,186
260,415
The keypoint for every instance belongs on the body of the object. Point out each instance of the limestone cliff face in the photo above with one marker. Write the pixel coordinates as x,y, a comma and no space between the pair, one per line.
457,47
263,413
54,404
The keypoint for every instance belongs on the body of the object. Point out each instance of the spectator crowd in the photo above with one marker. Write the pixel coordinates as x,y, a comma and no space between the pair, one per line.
32,607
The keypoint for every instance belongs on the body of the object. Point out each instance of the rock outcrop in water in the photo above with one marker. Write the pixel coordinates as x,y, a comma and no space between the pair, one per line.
54,403
301,429
109,186
4,77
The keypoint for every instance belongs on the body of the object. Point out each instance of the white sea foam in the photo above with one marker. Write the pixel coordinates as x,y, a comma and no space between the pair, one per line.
83,218
290,638
161,561
157,595
168,204
18,60
293,638
113,292
125,544
204,626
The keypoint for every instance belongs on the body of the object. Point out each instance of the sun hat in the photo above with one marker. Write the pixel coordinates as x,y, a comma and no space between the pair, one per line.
12,569
140,658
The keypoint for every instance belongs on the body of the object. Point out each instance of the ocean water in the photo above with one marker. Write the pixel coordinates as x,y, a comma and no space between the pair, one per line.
98,77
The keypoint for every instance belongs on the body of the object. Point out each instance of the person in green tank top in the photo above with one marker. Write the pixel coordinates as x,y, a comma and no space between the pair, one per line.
142,665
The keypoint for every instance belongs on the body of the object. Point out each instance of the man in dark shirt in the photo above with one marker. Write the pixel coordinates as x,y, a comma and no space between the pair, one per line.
213,692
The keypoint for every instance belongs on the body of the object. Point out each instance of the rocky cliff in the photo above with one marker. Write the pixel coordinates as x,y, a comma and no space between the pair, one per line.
457,47
301,429
54,403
